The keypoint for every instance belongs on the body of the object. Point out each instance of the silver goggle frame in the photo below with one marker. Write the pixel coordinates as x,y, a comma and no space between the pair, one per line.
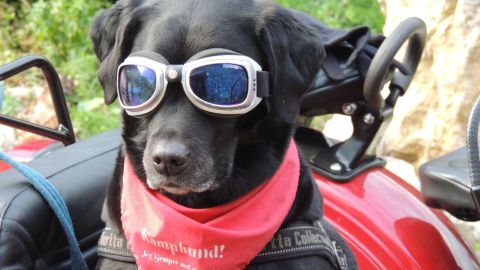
165,73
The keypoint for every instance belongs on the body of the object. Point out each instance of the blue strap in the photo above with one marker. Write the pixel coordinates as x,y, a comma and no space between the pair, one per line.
58,206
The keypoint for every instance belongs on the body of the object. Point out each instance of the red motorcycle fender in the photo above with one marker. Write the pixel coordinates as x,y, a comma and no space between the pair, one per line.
388,226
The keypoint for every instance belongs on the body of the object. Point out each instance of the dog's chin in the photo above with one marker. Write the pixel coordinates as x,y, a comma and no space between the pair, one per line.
174,191
168,186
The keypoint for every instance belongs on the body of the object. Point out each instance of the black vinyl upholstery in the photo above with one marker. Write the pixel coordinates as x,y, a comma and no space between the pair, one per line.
445,184
30,235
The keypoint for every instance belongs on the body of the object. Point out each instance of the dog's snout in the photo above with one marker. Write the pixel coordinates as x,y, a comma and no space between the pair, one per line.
170,159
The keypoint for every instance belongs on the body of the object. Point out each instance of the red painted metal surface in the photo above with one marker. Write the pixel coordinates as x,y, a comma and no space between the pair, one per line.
388,227
4,166
382,218
26,152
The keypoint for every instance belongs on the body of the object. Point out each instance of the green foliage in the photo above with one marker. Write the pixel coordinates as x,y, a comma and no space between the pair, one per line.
57,29
342,13
8,107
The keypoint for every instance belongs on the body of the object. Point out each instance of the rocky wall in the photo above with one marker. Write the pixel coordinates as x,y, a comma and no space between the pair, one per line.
431,118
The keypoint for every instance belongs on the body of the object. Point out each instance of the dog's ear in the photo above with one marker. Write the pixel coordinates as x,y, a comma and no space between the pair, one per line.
112,34
294,54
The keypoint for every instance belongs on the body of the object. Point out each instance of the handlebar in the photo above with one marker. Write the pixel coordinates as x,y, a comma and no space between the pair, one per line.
473,152
65,131
412,30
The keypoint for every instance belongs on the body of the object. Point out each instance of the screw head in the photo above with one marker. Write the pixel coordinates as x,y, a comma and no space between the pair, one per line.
349,108
172,74
336,167
368,118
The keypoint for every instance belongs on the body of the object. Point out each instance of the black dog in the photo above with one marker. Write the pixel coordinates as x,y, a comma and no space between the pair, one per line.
215,160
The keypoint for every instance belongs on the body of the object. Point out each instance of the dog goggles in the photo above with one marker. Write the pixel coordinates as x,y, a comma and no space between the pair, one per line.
216,81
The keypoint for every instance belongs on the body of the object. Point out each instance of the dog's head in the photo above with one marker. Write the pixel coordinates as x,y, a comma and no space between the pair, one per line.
179,149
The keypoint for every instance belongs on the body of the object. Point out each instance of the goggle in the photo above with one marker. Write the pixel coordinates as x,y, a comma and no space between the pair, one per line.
216,81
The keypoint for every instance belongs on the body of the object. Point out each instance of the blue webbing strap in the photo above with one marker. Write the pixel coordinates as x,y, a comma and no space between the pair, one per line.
57,204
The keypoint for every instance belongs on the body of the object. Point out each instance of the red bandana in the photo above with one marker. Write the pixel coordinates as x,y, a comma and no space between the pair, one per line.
165,235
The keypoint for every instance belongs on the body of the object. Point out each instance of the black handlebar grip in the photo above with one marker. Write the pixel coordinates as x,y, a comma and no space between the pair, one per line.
412,30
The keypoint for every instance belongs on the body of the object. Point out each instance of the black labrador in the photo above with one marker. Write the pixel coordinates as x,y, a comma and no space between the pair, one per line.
227,157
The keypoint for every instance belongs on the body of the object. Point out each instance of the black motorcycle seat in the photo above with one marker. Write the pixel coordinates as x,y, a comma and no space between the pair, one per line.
445,184
30,235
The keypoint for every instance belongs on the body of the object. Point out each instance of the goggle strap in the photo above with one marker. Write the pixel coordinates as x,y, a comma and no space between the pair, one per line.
263,84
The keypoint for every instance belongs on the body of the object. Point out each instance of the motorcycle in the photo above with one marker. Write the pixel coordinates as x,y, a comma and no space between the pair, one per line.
387,223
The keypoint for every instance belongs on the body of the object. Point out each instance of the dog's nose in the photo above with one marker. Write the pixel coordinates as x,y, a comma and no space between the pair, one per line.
171,159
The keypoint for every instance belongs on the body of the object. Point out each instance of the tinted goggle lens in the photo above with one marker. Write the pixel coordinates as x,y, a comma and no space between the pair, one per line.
136,84
220,84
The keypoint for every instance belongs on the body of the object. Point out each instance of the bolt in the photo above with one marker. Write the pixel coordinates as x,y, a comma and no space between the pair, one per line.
336,167
172,74
349,108
368,119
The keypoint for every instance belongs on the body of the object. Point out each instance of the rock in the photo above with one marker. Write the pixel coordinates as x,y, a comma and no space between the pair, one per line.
404,170
35,106
431,118
7,138
339,127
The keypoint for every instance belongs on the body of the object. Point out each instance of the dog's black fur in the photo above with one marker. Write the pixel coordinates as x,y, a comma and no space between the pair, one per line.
224,157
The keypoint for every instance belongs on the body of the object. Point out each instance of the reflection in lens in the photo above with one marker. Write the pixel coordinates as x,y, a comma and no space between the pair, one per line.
136,84
220,84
